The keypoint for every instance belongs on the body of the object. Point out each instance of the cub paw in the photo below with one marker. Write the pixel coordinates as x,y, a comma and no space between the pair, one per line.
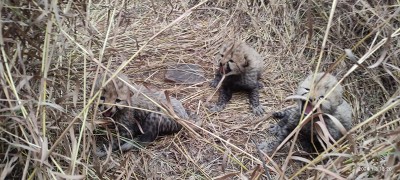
268,147
216,108
278,115
258,110
214,83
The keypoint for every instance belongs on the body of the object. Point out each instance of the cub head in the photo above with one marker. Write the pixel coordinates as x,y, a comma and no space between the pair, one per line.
232,58
114,95
317,90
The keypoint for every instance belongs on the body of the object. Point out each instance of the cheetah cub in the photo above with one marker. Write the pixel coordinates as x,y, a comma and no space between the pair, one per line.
134,114
334,104
242,66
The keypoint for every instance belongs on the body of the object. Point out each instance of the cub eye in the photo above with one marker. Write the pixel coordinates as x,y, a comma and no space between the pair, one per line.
307,89
222,55
230,60
102,98
321,97
118,100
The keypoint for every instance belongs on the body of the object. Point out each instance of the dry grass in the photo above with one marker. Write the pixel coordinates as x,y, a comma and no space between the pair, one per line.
51,52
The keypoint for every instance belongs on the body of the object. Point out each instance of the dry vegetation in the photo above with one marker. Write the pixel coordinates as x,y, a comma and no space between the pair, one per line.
51,52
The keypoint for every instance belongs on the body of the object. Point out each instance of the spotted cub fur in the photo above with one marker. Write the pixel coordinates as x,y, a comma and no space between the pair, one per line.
334,104
134,114
242,66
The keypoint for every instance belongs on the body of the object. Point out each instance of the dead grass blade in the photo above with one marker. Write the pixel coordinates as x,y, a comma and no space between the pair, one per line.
298,158
337,124
226,176
383,55
8,167
72,177
336,176
225,160
44,151
216,89
53,105
323,132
